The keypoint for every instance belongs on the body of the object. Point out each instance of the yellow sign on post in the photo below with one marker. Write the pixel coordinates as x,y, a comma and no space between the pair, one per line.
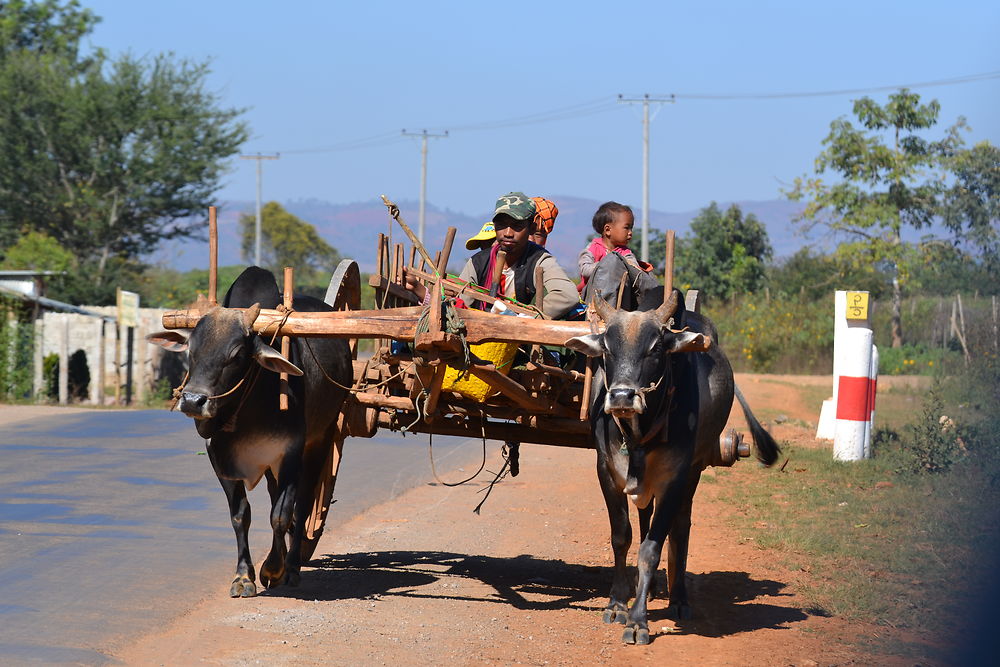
128,308
857,306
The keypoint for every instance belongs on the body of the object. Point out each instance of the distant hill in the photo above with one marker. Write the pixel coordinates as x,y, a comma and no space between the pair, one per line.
353,229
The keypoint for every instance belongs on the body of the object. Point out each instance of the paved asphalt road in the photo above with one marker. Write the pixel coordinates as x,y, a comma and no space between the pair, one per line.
112,522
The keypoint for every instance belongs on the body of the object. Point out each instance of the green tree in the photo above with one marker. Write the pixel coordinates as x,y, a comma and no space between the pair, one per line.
36,251
288,241
48,27
885,179
971,207
811,276
107,157
724,254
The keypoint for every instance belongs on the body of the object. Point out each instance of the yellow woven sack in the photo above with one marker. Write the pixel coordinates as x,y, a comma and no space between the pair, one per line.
499,354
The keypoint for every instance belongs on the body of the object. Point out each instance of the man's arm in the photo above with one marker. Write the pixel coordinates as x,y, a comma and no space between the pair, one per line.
560,294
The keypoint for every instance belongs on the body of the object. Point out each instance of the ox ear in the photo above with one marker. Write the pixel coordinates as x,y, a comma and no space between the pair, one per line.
688,341
272,360
589,345
175,341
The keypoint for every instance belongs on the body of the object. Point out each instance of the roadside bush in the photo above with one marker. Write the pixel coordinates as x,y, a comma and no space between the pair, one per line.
916,359
776,335
50,375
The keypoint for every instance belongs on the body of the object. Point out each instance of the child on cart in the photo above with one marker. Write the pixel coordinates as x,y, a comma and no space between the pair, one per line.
613,223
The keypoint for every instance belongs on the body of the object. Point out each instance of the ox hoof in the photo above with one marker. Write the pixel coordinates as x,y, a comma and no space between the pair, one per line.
242,588
272,577
635,635
680,611
292,578
615,615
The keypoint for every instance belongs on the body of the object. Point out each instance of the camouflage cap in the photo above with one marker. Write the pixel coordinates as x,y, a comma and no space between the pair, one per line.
517,205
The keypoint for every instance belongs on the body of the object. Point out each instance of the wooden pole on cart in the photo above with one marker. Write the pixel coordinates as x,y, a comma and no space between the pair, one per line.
501,264
394,212
287,299
213,256
668,266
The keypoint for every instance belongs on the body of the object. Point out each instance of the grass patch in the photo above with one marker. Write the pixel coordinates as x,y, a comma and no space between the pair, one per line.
873,542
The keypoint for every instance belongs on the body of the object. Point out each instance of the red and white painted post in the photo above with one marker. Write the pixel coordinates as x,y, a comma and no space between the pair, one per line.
847,417
853,394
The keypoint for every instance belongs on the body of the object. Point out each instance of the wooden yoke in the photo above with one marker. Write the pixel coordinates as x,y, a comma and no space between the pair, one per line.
287,298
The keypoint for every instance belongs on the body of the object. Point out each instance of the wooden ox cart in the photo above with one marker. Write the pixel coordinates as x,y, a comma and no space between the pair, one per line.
402,385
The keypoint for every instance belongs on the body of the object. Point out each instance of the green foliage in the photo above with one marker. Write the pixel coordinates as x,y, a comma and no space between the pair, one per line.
724,254
943,269
107,157
166,288
160,393
37,251
808,276
286,240
50,375
44,27
972,205
17,338
930,443
776,335
916,359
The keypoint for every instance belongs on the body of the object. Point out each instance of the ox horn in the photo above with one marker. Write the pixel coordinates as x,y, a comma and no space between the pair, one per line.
602,307
250,316
669,307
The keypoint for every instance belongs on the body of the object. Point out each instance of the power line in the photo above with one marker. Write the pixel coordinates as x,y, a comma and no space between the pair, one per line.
969,78
606,103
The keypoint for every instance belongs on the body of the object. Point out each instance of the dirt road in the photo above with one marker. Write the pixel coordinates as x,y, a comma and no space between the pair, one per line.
423,580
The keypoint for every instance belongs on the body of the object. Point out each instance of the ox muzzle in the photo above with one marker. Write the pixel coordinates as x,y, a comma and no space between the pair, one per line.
196,405
624,401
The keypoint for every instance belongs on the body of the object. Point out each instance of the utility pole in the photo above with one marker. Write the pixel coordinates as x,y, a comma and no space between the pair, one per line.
423,173
645,100
258,157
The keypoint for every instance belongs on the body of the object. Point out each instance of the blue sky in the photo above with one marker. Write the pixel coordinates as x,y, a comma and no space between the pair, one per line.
318,74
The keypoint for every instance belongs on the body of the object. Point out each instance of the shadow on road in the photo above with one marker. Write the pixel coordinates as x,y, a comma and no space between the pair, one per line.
725,603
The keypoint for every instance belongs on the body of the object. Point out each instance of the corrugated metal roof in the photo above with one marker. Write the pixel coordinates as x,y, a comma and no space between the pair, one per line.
52,304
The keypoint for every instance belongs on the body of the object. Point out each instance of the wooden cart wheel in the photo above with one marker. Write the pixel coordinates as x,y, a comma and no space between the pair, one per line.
322,500
344,293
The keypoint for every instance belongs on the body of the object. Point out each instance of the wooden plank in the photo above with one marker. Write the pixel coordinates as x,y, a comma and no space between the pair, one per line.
399,324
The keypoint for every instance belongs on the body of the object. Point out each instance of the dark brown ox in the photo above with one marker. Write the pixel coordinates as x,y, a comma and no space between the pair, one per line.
663,394
232,394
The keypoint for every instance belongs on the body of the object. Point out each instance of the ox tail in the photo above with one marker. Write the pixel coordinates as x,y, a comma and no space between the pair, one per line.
767,448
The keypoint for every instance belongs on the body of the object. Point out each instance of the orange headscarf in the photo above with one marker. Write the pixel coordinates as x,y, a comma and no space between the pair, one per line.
545,214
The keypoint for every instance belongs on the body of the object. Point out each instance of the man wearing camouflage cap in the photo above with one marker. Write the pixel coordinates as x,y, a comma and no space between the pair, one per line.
514,222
